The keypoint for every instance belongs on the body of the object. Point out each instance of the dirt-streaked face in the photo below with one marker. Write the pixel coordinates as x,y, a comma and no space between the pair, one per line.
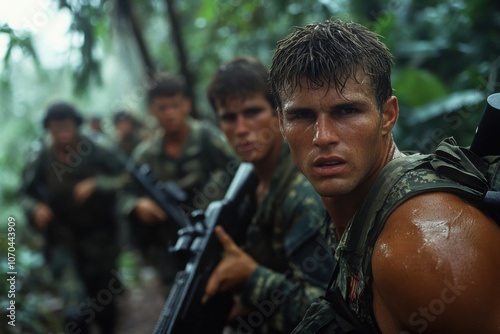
250,126
170,112
339,142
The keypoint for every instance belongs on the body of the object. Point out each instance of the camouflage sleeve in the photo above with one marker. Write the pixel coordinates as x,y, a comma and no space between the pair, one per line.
287,296
113,176
127,198
29,176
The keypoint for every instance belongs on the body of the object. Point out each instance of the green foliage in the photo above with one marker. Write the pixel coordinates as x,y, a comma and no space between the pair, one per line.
416,87
446,63
20,40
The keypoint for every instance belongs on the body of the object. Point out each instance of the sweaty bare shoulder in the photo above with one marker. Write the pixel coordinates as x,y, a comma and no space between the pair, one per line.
436,268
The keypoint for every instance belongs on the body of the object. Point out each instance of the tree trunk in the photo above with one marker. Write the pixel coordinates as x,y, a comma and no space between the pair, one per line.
126,10
181,53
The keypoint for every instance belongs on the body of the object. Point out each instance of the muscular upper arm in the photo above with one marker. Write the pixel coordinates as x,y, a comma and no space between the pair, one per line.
436,268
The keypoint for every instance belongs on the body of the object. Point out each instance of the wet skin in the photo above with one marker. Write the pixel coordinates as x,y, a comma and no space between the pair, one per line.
339,142
250,126
434,248
436,268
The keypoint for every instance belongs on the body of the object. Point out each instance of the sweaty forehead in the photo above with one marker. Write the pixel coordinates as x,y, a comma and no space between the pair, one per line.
238,100
352,88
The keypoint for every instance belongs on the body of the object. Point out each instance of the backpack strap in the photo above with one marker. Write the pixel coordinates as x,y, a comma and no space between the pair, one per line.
461,165
481,174
451,169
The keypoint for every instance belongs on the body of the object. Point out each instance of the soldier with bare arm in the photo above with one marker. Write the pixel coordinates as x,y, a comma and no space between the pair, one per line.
422,264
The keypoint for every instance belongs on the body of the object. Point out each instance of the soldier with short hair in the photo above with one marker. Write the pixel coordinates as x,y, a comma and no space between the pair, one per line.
68,193
129,132
191,153
417,252
285,262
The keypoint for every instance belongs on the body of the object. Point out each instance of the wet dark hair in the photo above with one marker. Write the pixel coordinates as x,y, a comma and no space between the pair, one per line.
239,78
328,54
61,111
167,85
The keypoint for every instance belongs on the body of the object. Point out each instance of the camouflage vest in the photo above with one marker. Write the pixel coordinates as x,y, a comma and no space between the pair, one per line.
347,306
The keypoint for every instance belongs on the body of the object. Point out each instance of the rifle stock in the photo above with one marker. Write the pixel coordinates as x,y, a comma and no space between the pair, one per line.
183,311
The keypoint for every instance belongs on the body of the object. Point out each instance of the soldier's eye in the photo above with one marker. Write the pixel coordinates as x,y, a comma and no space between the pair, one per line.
300,114
252,112
349,111
228,118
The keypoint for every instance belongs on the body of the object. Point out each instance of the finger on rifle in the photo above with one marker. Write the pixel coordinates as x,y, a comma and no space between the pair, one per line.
160,214
224,238
156,211
211,287
205,298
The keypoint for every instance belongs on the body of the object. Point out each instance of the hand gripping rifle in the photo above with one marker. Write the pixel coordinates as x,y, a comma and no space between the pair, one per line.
167,195
183,312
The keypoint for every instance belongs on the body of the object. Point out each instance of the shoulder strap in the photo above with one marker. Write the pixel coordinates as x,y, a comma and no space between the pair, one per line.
400,180
451,169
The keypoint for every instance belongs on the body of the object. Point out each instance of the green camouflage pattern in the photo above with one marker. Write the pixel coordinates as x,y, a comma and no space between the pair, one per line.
286,238
129,143
82,239
451,169
203,170
97,214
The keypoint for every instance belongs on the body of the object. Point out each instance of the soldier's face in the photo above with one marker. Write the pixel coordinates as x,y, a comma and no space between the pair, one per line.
63,132
124,128
250,126
171,112
338,141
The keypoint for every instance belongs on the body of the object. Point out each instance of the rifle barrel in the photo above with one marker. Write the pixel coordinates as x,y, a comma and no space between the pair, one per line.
487,140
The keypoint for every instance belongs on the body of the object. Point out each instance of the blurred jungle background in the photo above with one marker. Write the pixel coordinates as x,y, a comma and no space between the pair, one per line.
98,54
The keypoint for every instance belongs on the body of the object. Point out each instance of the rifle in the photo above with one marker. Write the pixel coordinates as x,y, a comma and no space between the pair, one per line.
183,311
167,195
486,141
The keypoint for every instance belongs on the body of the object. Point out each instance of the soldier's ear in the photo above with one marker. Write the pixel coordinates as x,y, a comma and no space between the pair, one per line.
390,114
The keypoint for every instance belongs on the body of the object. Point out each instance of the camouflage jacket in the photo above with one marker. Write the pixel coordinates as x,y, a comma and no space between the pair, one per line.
129,143
76,226
286,239
203,170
